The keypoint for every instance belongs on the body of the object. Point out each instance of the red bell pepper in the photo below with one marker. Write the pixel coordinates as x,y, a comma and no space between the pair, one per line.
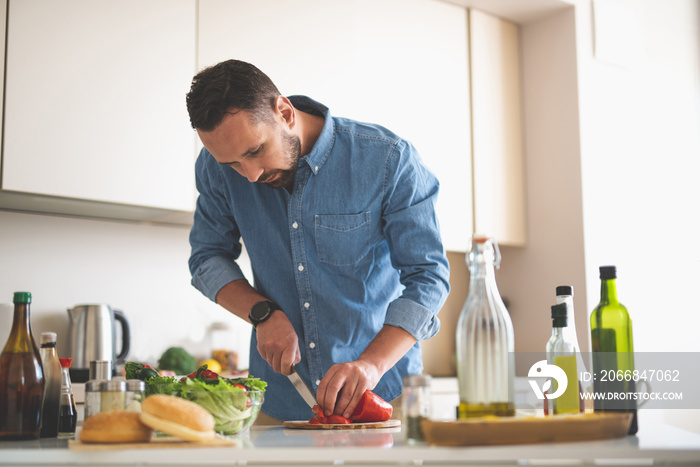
371,408
320,419
201,373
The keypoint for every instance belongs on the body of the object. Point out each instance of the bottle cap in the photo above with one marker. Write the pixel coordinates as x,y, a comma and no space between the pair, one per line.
65,362
115,385
135,385
416,380
93,385
608,272
565,290
48,337
101,369
22,297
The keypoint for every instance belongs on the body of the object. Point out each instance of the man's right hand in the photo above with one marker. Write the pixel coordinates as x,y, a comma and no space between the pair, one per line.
278,343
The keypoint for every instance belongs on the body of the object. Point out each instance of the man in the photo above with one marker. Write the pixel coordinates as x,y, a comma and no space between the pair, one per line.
338,219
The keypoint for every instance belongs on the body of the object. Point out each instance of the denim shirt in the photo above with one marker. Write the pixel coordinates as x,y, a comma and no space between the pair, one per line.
355,246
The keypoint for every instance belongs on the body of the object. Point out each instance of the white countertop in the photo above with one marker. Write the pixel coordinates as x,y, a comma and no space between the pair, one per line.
655,443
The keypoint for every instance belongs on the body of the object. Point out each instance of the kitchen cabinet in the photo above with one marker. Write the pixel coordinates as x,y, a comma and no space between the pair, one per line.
497,131
95,121
404,64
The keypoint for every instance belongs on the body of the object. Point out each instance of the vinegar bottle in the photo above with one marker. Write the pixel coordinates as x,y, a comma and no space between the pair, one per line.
21,377
52,388
485,340
67,414
565,294
612,346
561,352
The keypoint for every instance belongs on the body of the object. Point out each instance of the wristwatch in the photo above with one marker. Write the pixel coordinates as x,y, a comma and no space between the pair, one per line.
261,311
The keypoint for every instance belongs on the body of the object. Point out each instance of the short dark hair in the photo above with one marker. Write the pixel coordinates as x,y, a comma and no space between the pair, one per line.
228,86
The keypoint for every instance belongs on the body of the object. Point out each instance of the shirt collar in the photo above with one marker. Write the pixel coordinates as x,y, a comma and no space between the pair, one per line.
322,149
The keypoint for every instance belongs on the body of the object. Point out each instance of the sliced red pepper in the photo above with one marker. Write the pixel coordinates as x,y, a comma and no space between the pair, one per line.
333,419
372,408
318,418
338,419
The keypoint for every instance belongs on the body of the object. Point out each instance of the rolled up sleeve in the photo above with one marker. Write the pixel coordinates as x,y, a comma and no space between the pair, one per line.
415,319
214,238
413,233
215,273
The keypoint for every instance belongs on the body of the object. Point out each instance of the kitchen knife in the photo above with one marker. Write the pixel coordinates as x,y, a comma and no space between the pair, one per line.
301,388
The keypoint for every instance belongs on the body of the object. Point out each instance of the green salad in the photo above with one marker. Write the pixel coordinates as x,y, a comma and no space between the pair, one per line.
233,402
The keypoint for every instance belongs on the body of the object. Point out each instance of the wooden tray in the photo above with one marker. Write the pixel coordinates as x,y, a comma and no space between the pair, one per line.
526,430
305,425
155,443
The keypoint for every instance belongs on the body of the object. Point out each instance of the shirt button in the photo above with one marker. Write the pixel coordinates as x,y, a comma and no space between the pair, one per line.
300,267
316,169
312,345
295,225
307,305
318,381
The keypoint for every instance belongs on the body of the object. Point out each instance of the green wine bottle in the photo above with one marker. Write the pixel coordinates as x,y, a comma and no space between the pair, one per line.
613,349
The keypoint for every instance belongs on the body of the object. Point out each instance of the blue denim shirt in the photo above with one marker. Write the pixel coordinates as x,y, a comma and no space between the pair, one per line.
355,246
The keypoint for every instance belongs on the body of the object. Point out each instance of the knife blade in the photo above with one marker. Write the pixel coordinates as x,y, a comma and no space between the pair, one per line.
301,388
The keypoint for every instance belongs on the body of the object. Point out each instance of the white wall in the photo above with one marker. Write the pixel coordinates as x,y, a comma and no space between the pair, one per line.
640,143
612,165
138,268
554,253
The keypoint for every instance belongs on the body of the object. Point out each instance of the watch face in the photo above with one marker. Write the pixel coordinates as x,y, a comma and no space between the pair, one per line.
260,311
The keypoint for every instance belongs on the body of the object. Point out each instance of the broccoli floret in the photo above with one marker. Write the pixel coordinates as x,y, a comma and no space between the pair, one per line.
178,360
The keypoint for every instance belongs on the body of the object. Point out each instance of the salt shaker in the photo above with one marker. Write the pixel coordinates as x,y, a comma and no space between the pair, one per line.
93,398
417,406
113,395
135,393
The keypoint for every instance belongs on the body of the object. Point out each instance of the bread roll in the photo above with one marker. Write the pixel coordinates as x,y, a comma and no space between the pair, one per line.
118,426
177,417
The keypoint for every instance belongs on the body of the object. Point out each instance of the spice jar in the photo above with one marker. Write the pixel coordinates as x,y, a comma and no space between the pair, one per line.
101,370
113,395
135,393
93,398
417,406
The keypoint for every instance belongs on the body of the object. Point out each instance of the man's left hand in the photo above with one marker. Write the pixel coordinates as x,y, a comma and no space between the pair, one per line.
344,384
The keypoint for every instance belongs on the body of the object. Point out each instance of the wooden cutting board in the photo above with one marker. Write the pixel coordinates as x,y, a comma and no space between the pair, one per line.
155,443
305,425
527,430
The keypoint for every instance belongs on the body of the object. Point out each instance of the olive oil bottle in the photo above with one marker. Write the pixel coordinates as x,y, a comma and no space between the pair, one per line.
562,352
21,377
613,349
485,340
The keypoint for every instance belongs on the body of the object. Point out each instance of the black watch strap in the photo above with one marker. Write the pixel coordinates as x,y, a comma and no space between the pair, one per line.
261,312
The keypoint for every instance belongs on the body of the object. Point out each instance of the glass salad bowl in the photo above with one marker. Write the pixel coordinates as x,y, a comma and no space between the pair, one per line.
233,411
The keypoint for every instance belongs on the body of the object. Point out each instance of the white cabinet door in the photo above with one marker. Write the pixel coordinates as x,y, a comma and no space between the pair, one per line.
95,101
499,191
399,63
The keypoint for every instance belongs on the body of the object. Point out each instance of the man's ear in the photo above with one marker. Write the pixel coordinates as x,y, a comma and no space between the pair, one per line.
285,110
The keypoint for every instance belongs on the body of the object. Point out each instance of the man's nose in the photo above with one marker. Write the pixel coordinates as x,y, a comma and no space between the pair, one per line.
252,171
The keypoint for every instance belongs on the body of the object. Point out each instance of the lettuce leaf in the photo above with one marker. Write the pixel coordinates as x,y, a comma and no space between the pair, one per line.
227,403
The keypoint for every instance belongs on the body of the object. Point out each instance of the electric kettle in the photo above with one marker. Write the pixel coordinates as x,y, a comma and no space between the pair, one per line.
93,335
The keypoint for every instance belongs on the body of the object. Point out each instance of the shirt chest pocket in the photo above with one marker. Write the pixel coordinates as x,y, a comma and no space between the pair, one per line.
342,239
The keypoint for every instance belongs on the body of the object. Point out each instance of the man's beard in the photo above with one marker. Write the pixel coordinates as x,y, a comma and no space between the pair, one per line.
292,149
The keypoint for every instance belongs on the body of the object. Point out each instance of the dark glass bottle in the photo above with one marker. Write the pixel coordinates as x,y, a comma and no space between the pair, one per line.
21,377
613,349
67,414
52,385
